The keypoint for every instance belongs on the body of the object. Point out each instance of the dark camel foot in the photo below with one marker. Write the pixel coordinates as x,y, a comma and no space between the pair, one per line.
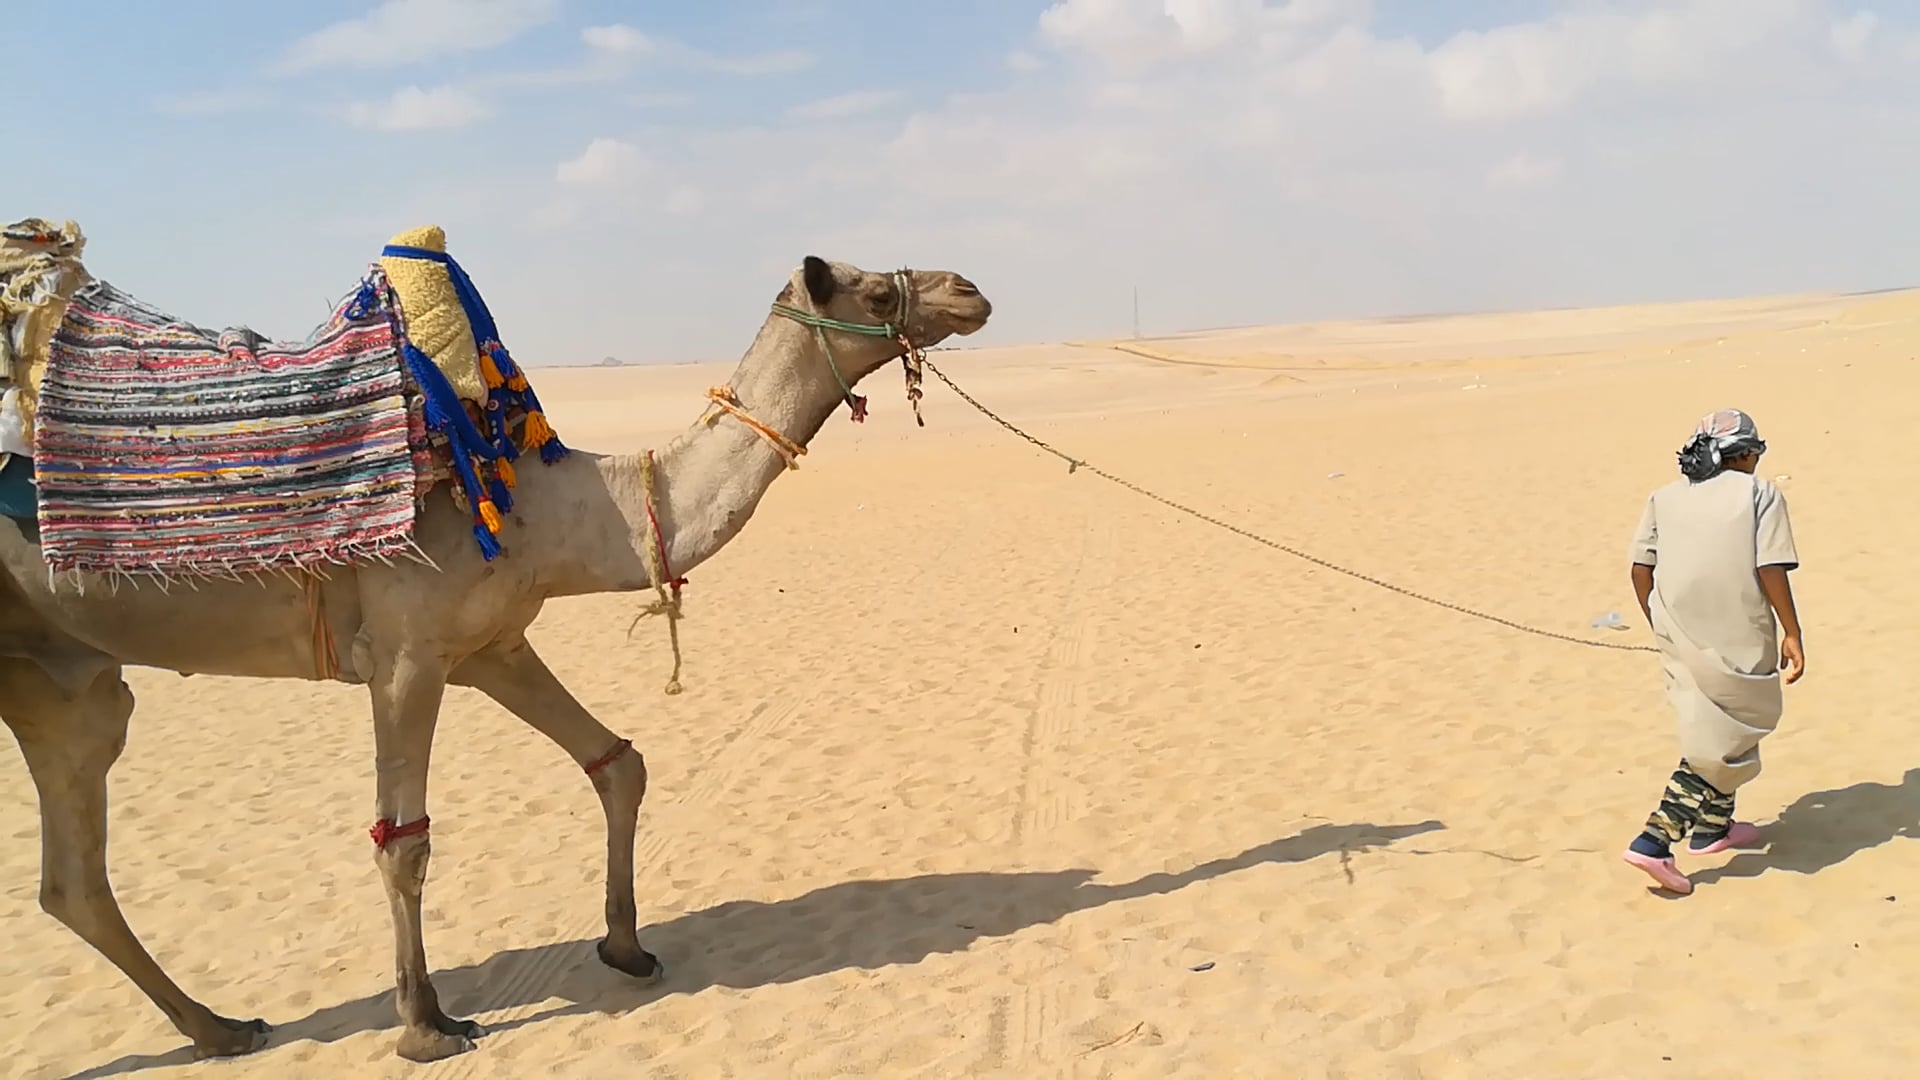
466,1029
232,1038
640,963
442,1037
431,1044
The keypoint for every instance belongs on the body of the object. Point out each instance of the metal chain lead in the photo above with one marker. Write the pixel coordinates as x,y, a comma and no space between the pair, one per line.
1074,464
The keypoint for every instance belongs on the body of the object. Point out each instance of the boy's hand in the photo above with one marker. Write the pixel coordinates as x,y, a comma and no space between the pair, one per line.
1795,658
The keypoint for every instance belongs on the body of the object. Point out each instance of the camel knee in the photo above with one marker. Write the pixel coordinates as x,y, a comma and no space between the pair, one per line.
403,863
97,735
623,779
76,905
635,764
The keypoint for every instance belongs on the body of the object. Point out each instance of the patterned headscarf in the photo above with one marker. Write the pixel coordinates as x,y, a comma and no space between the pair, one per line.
1720,436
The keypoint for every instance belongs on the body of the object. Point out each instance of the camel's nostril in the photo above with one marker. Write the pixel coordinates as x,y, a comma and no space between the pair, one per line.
964,287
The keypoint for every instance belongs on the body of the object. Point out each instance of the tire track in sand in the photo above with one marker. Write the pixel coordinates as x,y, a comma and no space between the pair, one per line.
1023,1023
518,994
1049,799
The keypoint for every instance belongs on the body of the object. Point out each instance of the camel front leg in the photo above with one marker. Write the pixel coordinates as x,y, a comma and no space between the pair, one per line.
69,746
516,677
406,705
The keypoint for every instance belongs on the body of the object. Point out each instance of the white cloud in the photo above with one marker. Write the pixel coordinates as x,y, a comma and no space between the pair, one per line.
621,41
627,46
413,109
604,163
857,103
1144,33
400,32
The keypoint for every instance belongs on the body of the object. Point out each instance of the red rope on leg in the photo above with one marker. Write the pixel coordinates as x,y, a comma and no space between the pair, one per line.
608,758
385,832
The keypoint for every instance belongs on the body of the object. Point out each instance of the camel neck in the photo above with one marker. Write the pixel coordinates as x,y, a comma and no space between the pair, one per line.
710,479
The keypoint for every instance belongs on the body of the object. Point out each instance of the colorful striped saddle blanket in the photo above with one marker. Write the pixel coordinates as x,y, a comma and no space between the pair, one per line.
167,450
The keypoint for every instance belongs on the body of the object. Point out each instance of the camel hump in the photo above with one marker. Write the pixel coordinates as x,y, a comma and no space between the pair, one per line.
40,270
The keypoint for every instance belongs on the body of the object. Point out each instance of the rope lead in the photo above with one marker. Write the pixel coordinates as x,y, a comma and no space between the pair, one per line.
1075,464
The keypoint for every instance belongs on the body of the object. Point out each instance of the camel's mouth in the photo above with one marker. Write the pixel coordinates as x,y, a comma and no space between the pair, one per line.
970,321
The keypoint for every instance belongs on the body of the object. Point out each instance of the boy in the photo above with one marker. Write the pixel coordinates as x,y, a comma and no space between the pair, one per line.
1710,563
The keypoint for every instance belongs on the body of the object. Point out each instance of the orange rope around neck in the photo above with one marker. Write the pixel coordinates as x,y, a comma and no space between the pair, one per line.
729,402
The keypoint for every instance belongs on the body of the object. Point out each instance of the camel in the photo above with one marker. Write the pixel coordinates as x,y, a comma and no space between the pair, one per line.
592,524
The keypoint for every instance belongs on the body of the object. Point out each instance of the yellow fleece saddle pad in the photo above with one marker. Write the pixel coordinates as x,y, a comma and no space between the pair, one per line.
436,323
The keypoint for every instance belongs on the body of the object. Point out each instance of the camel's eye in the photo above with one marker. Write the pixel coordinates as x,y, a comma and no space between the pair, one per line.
878,296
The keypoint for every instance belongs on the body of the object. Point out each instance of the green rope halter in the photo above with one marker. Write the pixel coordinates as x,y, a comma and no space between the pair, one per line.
909,362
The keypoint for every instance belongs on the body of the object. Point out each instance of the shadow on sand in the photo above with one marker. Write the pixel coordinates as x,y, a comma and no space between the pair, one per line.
1826,828
861,925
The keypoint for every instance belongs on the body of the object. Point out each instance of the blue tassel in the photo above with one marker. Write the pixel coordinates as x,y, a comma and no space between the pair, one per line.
365,302
484,330
502,441
489,547
444,412
503,361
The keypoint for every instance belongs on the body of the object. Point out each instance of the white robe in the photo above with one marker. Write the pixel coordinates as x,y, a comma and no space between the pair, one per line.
1717,634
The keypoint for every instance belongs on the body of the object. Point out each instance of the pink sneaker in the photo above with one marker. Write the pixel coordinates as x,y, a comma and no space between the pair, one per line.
1664,872
1740,834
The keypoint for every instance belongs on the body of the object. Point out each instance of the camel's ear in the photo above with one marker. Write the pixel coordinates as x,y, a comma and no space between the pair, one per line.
818,277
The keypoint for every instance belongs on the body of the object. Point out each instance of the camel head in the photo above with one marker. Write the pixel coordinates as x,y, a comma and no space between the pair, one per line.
926,306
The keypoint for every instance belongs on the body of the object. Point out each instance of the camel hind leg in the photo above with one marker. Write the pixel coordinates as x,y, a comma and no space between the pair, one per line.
70,742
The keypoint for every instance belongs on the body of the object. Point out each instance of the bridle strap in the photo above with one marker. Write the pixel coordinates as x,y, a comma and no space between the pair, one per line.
910,361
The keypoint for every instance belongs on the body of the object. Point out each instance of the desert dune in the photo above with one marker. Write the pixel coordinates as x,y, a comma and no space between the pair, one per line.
986,768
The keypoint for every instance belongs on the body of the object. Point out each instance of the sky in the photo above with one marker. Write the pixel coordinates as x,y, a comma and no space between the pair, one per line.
637,179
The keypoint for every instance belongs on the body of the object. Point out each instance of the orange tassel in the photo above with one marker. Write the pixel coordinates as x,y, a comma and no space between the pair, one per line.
518,382
489,371
537,431
505,469
490,516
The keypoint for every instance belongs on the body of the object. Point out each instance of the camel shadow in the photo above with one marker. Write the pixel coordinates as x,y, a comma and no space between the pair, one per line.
1826,828
853,925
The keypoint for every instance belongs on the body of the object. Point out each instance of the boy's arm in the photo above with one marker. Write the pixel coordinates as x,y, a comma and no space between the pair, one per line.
1644,554
1779,592
1643,589
1776,554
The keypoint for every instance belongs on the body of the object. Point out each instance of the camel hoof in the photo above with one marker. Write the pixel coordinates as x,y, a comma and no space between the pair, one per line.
645,967
423,1045
447,1025
236,1038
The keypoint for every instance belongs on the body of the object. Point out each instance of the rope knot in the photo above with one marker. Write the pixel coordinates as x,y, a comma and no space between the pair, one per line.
385,832
658,571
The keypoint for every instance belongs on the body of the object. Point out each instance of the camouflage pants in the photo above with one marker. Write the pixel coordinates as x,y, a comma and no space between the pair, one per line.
1690,803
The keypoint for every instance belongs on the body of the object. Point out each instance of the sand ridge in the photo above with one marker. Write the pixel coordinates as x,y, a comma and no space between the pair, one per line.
988,769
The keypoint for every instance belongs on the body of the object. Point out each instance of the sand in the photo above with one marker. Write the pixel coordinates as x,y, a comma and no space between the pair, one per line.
989,769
